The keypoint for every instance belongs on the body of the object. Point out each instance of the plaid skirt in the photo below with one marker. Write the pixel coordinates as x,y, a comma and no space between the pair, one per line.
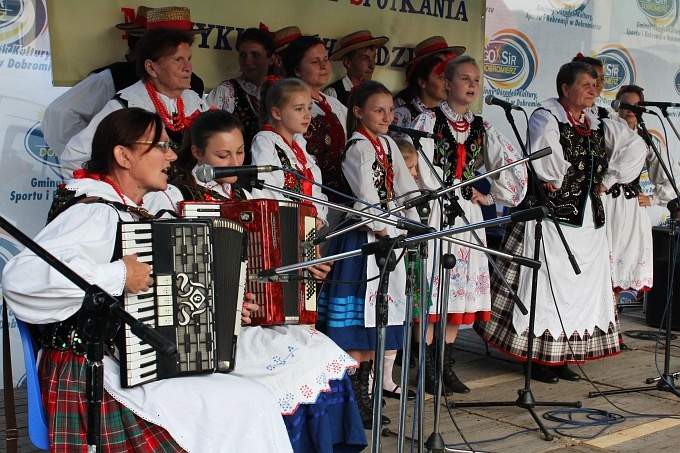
547,350
62,381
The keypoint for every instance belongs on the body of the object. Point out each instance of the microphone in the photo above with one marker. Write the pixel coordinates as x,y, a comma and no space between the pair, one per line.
207,173
491,100
616,105
414,133
658,104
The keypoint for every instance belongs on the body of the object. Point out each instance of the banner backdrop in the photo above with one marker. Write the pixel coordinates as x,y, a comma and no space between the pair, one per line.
528,40
405,22
28,170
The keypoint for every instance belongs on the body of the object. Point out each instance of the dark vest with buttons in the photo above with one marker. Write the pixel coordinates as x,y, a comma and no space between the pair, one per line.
588,159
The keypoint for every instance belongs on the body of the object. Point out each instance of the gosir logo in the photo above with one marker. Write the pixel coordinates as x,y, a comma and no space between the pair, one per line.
676,81
34,142
619,69
570,5
510,60
21,21
659,12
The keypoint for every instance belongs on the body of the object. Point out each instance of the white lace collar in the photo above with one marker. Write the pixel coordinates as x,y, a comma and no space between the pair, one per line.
453,116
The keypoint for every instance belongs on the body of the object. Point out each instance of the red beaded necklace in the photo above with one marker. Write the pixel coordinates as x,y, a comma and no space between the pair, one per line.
301,158
582,128
174,123
115,187
382,158
460,126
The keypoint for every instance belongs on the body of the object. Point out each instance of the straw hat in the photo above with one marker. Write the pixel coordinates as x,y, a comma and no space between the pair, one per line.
431,46
139,24
285,36
357,40
175,17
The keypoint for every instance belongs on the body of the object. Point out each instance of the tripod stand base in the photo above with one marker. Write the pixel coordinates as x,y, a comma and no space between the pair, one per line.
661,385
526,401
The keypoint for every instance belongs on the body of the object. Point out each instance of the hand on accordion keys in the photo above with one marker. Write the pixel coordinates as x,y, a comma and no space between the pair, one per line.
137,275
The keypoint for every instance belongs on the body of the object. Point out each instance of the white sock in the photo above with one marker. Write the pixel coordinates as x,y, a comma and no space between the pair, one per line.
388,382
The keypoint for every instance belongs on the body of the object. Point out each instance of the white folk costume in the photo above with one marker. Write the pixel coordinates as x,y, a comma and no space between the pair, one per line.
471,143
241,98
347,312
79,148
629,230
302,367
270,148
583,157
216,412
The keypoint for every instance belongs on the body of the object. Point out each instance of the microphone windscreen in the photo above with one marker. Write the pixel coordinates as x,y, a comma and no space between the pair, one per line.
205,173
489,99
615,105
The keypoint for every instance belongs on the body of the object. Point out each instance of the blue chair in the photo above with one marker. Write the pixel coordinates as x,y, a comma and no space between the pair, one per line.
37,423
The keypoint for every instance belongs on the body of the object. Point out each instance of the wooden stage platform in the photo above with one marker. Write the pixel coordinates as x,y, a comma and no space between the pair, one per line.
651,420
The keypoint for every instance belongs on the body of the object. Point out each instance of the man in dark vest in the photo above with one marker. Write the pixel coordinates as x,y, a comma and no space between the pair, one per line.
357,52
71,112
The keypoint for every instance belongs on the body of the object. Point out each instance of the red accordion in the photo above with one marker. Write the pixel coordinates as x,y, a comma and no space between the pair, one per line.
276,231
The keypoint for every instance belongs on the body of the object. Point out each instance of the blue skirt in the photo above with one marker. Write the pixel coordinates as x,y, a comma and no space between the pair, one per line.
341,305
331,425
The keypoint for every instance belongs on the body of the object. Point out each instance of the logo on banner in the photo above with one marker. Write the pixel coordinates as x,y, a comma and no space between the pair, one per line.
619,69
510,60
21,21
659,12
8,249
570,5
38,149
676,81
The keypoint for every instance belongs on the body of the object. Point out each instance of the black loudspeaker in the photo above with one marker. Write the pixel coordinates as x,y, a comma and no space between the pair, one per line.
656,301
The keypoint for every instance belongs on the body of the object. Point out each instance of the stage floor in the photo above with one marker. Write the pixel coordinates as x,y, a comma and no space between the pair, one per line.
494,377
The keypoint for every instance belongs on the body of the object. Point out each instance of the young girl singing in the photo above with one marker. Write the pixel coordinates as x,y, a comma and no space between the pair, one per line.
286,107
469,142
377,174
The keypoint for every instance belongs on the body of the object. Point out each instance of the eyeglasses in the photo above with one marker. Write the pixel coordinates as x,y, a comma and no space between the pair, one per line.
164,145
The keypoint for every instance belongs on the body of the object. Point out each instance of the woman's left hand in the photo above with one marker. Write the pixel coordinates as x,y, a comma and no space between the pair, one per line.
249,306
479,198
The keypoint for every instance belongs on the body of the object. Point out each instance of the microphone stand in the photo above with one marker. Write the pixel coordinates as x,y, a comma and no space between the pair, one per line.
666,381
384,261
435,442
526,398
98,320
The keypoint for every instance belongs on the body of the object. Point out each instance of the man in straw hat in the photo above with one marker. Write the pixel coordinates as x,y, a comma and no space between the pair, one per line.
357,52
71,112
432,46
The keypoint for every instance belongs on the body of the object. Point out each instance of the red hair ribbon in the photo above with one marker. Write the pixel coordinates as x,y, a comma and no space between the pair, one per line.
271,79
265,28
82,173
579,55
439,69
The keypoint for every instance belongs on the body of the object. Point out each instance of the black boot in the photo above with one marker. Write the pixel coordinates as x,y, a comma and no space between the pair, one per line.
429,372
361,394
450,378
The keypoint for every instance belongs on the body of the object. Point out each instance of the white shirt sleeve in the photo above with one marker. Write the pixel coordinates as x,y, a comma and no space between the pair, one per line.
663,189
71,112
626,152
543,132
83,237
509,186
264,153
425,122
223,97
79,149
